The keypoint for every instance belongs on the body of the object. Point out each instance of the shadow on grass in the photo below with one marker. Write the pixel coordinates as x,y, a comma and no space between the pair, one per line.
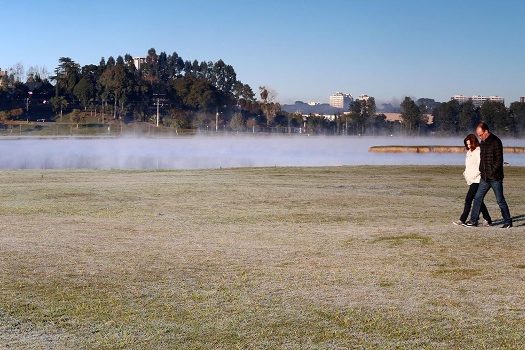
518,220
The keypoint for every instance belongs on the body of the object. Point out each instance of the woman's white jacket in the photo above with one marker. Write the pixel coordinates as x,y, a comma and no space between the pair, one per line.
471,173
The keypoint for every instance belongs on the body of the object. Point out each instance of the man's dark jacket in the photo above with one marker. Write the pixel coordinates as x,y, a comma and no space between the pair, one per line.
491,162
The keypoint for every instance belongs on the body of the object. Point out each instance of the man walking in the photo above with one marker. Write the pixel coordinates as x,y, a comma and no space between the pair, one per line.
491,169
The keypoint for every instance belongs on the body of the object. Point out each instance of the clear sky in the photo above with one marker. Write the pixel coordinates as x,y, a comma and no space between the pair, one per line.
303,49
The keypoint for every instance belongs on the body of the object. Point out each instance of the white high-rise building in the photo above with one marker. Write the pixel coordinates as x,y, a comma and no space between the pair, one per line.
461,98
138,61
341,100
477,100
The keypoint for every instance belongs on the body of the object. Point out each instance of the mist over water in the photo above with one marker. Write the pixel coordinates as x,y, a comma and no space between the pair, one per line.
203,152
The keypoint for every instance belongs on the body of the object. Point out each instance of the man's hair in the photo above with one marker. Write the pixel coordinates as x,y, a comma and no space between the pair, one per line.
474,143
483,126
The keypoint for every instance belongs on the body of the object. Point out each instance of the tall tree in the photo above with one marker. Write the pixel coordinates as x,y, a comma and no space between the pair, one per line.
517,112
370,107
269,107
496,115
113,80
427,105
411,115
224,77
84,91
176,65
237,122
196,94
150,70
243,92
66,76
468,116
18,72
362,112
356,115
163,68
446,117
380,122
59,103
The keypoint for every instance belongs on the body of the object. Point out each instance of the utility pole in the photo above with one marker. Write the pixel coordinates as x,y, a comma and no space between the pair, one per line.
102,110
158,105
158,96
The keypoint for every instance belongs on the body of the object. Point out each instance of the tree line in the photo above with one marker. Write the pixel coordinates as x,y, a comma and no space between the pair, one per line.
195,95
453,117
426,116
189,94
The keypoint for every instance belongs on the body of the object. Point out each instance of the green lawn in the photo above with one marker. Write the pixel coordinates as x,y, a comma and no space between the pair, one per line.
274,258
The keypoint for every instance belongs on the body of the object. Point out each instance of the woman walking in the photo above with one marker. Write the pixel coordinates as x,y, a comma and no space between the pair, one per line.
472,175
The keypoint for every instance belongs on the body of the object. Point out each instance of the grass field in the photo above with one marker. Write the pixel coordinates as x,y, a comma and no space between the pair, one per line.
276,258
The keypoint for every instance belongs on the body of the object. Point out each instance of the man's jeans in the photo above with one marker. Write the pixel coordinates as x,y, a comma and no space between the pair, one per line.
469,198
497,187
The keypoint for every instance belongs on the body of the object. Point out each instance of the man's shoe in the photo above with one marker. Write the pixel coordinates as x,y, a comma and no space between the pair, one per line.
486,223
507,226
470,224
459,223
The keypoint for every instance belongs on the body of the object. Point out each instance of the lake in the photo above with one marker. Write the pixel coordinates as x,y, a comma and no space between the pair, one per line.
204,152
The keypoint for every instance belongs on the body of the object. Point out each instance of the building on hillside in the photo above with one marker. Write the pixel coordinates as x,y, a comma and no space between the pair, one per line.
330,117
461,98
3,77
522,99
396,117
341,100
313,103
477,100
138,62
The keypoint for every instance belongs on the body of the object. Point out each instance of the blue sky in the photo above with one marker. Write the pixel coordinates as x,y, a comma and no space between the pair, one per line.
305,50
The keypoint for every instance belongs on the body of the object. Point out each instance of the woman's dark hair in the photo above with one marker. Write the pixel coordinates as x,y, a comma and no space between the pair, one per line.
474,143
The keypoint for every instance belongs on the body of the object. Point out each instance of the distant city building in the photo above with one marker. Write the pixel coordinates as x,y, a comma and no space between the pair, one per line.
313,103
461,98
477,100
341,100
363,97
522,99
138,62
330,117
396,117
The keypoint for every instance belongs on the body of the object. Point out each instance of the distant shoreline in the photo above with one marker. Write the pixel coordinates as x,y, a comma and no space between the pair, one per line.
433,149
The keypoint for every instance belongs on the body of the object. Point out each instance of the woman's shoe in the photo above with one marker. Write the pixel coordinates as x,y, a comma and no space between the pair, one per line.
470,224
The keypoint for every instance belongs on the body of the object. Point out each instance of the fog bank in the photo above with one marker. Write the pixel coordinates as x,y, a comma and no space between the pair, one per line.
201,152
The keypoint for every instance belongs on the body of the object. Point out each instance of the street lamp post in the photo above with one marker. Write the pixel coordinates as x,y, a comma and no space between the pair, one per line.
217,121
305,119
27,100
